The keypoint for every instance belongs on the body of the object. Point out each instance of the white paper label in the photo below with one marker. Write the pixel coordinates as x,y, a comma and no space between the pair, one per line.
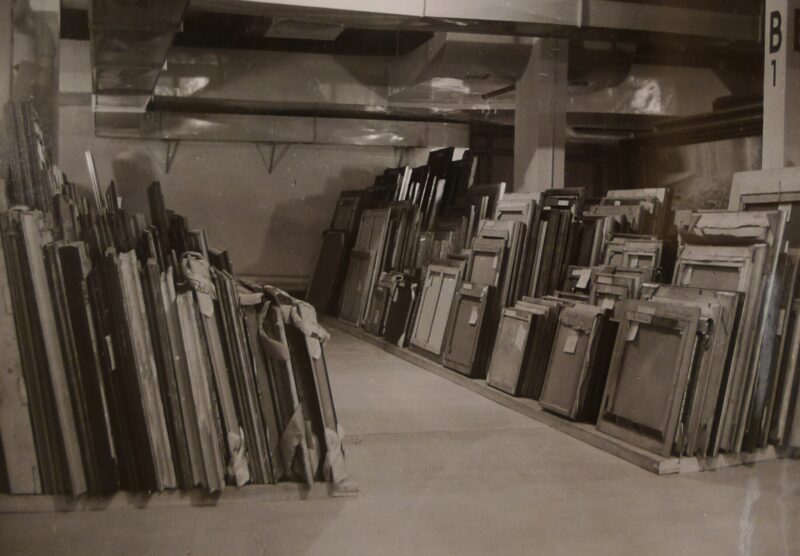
617,203
633,330
473,316
607,303
563,202
583,281
519,339
571,342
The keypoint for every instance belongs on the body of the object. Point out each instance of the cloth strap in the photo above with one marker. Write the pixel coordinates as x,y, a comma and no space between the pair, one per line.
333,468
197,272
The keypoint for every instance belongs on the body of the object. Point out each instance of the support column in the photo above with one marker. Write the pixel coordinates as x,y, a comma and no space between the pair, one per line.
5,91
781,137
540,120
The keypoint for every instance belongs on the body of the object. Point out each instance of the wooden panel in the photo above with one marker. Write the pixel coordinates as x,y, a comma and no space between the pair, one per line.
146,372
792,430
516,207
166,361
16,430
333,468
578,363
635,253
370,229
355,287
494,192
428,300
628,217
565,377
436,300
49,448
442,314
381,295
295,450
302,365
786,408
399,313
738,269
657,203
346,212
32,224
654,346
202,428
550,242
242,375
648,375
378,222
327,277
510,350
467,316
486,262
543,328
266,389
719,316
69,265
773,338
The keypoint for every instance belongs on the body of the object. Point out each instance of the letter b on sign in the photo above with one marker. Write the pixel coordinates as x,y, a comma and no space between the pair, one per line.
775,33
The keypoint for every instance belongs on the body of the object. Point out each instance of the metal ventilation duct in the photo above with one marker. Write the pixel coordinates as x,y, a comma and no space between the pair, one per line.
130,40
286,28
457,68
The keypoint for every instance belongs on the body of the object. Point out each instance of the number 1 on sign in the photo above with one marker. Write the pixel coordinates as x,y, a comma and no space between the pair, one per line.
774,72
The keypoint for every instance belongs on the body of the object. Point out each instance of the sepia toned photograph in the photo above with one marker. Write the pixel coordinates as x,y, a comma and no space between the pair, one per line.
419,277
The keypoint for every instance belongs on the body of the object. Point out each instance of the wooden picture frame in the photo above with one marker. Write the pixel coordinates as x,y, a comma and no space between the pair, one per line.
461,350
578,363
720,312
357,286
436,299
648,375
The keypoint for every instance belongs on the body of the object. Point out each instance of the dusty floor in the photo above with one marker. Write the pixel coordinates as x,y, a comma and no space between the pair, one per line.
445,471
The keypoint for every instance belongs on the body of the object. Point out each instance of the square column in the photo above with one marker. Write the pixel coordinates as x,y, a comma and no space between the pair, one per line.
540,120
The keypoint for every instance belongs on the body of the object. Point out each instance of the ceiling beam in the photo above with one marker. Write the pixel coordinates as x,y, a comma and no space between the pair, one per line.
553,18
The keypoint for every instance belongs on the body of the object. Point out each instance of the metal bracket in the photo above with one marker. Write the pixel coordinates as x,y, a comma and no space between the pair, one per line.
172,150
273,160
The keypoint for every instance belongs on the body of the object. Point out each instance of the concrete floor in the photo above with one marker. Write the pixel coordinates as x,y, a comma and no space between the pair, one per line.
445,471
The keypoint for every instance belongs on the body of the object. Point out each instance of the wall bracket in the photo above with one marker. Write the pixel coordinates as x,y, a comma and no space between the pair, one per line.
172,150
273,159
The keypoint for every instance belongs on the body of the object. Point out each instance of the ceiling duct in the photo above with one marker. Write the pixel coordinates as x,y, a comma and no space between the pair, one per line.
286,28
599,65
129,41
461,69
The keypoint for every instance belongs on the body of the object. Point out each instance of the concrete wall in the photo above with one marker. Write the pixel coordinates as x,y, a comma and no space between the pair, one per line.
270,223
